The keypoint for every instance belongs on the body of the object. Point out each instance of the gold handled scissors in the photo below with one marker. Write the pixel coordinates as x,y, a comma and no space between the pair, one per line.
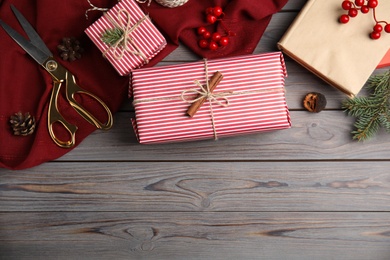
37,49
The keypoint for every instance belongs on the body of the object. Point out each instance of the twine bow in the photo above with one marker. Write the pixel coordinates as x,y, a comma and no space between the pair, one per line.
123,44
207,93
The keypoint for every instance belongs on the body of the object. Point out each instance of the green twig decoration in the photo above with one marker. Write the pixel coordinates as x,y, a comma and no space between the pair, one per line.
373,111
112,36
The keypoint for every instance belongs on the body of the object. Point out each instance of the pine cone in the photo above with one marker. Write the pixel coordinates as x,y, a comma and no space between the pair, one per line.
22,124
70,49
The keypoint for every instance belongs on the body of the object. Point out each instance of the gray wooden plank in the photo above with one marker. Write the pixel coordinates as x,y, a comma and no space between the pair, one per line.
322,136
198,186
221,235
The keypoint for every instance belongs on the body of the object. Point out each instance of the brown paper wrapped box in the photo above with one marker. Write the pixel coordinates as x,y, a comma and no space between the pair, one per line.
343,55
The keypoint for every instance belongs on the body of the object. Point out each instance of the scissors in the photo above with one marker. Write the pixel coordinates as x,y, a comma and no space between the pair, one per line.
37,49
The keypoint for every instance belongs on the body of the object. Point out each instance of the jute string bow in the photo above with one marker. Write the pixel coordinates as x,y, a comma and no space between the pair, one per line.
206,93
122,45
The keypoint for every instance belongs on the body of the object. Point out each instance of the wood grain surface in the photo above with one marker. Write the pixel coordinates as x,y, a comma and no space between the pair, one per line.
309,192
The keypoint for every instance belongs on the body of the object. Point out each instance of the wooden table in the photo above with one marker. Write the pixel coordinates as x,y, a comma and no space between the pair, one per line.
309,192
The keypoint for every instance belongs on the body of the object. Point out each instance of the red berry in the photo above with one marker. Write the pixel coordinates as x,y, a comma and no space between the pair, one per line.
209,10
378,28
224,41
375,35
213,46
387,28
346,5
344,18
372,3
211,18
203,44
359,2
216,36
353,12
364,9
201,30
217,11
206,35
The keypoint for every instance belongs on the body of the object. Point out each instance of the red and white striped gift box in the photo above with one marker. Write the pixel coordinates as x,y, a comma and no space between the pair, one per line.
256,101
146,37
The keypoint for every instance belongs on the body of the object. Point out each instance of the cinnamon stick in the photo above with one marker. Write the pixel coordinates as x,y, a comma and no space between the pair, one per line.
213,83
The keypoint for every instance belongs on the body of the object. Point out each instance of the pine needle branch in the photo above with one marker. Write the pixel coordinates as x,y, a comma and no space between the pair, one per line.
112,36
372,112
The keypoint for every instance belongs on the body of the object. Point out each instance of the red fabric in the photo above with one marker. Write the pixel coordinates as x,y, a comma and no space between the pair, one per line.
26,87
248,19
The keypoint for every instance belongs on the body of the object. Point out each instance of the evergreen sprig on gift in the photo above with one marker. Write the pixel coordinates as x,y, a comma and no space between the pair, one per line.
373,111
112,36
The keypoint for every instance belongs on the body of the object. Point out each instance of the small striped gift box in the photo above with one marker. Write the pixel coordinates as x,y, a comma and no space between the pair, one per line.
249,99
141,40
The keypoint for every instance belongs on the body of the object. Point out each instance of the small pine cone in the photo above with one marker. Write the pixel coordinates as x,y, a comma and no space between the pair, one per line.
22,124
70,49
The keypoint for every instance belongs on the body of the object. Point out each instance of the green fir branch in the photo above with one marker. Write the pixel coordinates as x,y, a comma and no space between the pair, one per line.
378,84
385,121
366,127
112,36
360,106
373,111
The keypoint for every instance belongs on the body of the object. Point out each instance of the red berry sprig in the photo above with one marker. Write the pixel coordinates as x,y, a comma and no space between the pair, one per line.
364,6
215,40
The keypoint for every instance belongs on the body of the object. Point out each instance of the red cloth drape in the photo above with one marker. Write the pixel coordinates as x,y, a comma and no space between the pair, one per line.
248,19
26,87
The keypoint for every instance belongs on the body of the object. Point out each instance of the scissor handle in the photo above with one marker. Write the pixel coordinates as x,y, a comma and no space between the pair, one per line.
72,89
61,74
54,116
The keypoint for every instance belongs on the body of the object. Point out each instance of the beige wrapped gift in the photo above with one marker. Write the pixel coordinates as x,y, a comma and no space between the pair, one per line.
343,55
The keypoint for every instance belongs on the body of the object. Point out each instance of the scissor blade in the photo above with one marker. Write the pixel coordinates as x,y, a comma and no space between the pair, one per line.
34,52
31,33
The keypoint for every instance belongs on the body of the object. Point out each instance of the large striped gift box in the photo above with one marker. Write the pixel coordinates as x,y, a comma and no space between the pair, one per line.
249,99
142,42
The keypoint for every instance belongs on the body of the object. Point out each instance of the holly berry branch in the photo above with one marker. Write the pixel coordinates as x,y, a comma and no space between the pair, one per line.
372,111
364,7
215,40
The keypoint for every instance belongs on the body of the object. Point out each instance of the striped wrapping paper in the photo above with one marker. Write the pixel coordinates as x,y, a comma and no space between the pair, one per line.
257,103
146,36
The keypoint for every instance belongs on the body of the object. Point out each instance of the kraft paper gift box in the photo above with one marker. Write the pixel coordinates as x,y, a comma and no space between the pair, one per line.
249,99
343,55
141,41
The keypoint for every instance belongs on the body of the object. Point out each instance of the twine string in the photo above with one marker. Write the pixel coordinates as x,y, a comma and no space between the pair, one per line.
144,1
209,96
123,44
205,93
103,9
94,8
